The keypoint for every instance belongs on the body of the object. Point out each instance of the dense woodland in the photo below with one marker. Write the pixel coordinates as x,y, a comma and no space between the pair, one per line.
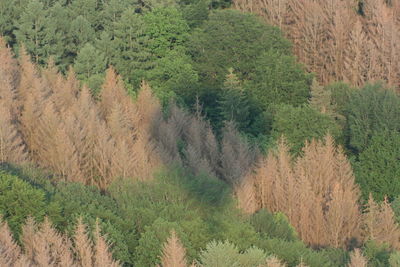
174,133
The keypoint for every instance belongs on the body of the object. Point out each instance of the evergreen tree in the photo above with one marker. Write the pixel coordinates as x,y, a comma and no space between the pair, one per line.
378,166
369,111
131,56
32,31
90,65
300,124
233,103
80,33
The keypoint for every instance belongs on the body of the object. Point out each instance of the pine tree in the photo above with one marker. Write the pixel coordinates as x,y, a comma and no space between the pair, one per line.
35,31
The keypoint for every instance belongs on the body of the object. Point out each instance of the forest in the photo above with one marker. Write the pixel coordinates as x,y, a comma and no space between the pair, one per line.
201,133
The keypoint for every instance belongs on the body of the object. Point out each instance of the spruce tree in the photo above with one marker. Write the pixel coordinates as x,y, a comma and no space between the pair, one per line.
90,65
234,103
31,30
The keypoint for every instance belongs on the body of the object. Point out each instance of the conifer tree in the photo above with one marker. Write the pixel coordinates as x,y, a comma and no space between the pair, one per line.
174,254
233,103
12,148
357,259
90,65
317,192
379,223
320,98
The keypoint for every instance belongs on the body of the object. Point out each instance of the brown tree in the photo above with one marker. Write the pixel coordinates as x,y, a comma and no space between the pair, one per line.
174,254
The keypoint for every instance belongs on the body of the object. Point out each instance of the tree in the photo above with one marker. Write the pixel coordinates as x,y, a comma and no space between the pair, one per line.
90,65
214,51
166,30
279,79
174,78
370,110
316,192
174,254
32,30
131,56
18,200
379,224
378,166
234,104
301,124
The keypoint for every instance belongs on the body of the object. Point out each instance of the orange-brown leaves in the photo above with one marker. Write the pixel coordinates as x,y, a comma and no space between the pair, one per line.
323,40
317,192
379,224
357,259
44,246
174,254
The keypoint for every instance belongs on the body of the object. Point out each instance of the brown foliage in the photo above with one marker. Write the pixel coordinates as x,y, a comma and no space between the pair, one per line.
64,129
10,252
174,254
317,192
357,259
379,223
44,246
325,42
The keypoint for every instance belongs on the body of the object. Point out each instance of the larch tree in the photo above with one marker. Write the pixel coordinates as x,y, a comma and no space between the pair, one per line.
317,192
174,254
379,223
357,259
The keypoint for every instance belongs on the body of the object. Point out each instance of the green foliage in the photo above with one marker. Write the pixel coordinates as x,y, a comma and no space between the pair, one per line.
378,166
377,255
18,200
371,110
151,240
293,252
226,254
166,30
34,32
77,200
214,51
90,65
300,124
173,78
234,103
394,259
273,225
278,79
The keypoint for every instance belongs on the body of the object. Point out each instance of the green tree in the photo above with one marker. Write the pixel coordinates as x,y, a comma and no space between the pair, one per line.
300,124
370,110
33,32
173,77
166,30
234,39
131,55
90,65
18,200
80,33
234,103
278,79
378,167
